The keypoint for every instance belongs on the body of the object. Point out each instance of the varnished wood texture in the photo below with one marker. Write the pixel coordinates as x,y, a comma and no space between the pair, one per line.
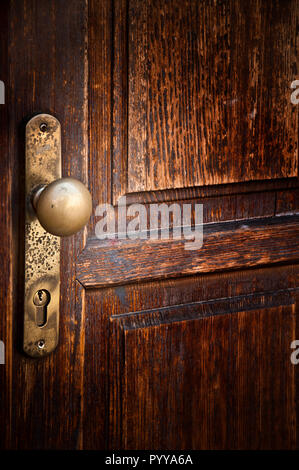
167,353
159,348
6,235
225,246
209,92
45,46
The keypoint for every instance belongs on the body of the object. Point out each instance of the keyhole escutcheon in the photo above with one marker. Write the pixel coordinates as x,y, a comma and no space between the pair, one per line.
41,300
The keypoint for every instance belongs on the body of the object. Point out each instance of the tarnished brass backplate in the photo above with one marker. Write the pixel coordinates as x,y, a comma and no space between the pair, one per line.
42,249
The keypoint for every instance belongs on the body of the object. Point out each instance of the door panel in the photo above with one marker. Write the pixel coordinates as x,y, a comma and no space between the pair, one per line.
204,106
168,341
192,378
160,347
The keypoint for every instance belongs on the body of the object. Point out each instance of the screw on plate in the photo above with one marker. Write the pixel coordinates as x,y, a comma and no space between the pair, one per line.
43,127
41,344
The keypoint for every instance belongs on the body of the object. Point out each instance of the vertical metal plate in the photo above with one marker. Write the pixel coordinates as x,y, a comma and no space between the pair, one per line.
42,249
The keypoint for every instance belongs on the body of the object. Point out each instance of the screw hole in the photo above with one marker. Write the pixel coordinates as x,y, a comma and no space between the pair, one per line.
43,127
41,344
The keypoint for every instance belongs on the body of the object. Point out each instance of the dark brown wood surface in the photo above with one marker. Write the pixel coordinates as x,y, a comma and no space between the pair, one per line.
6,194
187,127
231,245
45,43
223,374
160,348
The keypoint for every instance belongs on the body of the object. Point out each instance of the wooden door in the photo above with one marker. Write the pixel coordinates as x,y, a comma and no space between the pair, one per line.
181,101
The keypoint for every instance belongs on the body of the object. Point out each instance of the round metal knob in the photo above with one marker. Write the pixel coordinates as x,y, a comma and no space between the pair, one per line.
63,207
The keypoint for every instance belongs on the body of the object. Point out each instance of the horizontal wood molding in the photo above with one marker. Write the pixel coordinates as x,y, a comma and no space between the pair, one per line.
226,246
207,308
212,190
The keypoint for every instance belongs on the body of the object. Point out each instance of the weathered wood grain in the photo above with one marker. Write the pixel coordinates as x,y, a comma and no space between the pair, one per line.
215,209
187,127
287,202
47,74
7,239
221,352
164,322
231,245
138,420
100,99
261,187
167,294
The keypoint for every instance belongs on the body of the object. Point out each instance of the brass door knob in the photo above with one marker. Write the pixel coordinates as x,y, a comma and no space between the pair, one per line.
63,207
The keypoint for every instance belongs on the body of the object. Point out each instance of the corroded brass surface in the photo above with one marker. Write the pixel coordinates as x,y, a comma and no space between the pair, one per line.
42,249
63,207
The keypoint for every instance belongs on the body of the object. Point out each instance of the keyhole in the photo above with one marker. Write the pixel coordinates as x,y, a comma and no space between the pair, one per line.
41,300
